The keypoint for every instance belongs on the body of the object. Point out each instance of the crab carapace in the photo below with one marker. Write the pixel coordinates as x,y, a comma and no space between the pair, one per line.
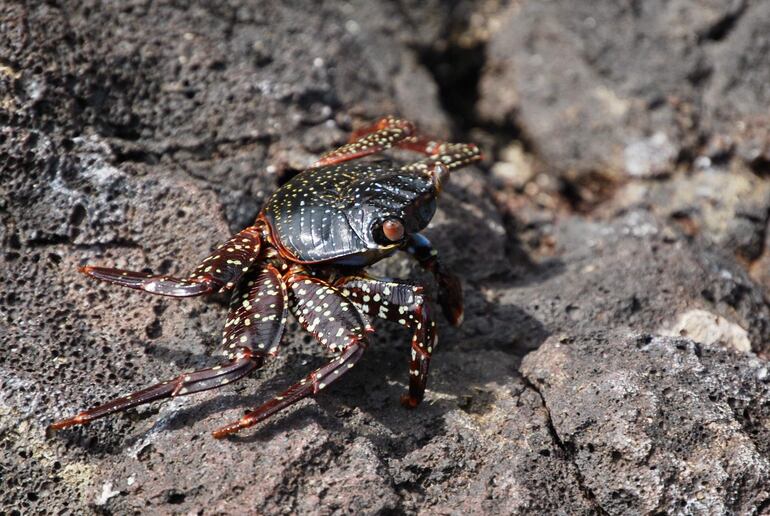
306,253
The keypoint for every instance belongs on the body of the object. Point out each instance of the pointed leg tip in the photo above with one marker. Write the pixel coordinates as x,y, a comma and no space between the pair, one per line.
66,423
409,402
234,428
55,427
52,429
221,433
60,425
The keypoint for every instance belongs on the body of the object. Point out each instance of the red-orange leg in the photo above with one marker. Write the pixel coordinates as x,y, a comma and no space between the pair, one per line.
221,270
310,385
391,132
405,304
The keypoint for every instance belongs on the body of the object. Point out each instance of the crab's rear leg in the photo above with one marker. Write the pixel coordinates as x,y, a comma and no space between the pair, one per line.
405,304
189,383
253,331
220,270
337,325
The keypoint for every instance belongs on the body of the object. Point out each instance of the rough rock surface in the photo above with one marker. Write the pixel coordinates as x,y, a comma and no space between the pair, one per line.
607,86
658,424
613,356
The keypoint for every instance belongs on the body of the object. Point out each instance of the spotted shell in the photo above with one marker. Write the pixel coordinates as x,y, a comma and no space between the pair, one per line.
334,213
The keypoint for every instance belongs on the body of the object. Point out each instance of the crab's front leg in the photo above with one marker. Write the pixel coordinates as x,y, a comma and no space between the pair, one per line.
405,304
450,292
220,270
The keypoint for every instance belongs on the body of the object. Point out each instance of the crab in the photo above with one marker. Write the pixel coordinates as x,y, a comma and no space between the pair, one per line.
305,254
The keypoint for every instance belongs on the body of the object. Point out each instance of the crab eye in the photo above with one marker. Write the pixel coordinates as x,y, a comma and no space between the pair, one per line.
393,230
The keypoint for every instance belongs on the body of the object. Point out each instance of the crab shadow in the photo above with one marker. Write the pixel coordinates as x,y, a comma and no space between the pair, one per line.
365,402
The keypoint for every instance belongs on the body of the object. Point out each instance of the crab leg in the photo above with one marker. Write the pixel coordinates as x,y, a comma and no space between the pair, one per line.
337,325
252,333
258,312
396,132
405,304
450,294
382,135
221,270
184,384
448,155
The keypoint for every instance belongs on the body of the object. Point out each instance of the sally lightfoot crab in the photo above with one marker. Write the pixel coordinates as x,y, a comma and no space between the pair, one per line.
305,253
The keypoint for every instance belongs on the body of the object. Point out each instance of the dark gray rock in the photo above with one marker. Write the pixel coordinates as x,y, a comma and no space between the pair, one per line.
626,88
727,206
738,79
658,424
632,272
